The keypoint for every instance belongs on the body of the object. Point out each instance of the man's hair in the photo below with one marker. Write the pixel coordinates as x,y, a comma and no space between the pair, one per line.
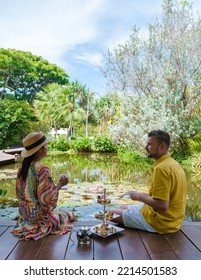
161,136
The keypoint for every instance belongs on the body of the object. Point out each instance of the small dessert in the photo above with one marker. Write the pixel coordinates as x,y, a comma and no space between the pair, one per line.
96,229
104,229
103,200
99,198
113,229
109,215
107,201
100,215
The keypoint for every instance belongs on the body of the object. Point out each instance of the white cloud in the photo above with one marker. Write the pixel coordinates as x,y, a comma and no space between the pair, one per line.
50,27
91,58
74,33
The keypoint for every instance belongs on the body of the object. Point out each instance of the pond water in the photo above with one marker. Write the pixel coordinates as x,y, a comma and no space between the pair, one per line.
89,175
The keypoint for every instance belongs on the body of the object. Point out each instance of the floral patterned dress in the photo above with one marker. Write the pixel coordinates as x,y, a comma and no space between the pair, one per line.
38,198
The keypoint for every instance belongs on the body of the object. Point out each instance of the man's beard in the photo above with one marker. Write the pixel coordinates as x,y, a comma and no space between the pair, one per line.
152,155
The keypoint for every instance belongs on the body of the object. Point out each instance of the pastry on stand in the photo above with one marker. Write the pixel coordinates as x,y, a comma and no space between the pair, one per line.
102,199
105,229
108,215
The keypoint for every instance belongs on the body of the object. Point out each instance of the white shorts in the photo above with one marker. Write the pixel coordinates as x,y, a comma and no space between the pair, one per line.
133,218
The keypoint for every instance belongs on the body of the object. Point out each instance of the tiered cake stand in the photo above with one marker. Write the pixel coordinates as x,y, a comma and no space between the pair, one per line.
111,229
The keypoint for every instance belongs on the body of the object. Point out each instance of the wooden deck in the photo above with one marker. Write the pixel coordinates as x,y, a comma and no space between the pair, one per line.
129,244
9,155
6,158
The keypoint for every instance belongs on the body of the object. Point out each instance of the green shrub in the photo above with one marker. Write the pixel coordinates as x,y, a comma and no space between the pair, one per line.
196,167
81,144
103,144
195,144
60,144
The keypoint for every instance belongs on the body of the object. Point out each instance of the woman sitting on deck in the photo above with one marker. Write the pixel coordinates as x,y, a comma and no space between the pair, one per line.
38,195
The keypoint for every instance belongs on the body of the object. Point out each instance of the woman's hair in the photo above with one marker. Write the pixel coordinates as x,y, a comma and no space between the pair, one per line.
161,136
25,167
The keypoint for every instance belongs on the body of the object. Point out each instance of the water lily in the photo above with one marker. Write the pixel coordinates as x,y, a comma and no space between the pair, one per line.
96,188
88,188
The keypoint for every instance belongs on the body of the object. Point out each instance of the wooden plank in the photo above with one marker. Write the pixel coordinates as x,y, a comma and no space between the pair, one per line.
7,223
182,246
2,229
107,248
26,250
187,223
132,246
77,252
54,247
80,224
157,246
193,232
8,241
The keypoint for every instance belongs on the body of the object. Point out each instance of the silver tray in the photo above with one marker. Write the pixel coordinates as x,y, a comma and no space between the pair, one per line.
110,232
102,218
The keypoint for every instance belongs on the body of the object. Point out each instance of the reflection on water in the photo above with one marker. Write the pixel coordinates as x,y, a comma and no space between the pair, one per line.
89,174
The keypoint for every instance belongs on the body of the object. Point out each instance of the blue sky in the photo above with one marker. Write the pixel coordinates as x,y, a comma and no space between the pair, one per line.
74,33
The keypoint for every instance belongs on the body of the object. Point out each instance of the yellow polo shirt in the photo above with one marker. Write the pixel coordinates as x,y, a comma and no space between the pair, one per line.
168,182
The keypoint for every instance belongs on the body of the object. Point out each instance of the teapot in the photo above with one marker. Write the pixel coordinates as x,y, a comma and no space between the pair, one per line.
84,236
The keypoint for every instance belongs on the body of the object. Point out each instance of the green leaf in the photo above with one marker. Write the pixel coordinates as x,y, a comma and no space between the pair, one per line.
3,192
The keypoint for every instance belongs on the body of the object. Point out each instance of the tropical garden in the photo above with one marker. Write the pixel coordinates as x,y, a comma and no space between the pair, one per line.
154,82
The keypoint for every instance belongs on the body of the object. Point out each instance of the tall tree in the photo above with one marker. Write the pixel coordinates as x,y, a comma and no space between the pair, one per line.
158,78
17,119
85,99
23,74
104,110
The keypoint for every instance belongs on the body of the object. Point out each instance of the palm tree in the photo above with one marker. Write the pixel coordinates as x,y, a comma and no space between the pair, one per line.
85,101
105,110
59,104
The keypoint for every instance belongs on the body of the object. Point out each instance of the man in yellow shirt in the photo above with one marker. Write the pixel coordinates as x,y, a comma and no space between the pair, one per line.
163,208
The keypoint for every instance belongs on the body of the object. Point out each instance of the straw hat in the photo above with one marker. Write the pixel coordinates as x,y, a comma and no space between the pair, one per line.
32,143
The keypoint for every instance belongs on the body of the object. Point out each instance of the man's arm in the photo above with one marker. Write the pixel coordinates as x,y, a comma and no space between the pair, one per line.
157,204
